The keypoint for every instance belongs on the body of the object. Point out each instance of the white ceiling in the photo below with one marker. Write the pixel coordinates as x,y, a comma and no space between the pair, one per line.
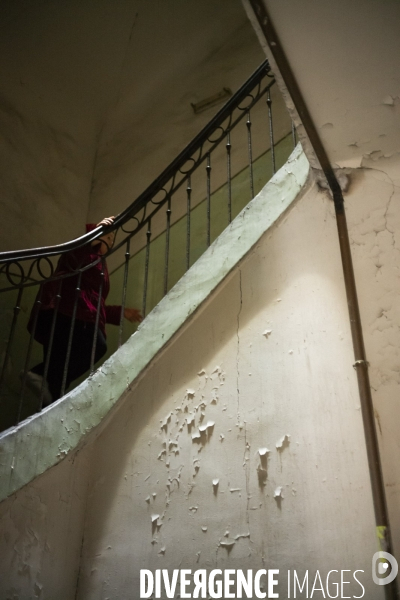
346,58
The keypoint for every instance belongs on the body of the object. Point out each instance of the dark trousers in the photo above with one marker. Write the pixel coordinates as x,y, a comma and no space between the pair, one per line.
81,349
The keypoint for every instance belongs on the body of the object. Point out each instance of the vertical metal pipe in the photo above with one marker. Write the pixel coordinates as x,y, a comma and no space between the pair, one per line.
188,209
124,289
208,170
167,234
96,323
146,268
229,174
250,149
71,333
50,346
361,364
294,136
38,304
17,310
271,132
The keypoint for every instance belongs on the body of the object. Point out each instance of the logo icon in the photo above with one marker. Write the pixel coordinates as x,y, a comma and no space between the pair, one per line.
384,568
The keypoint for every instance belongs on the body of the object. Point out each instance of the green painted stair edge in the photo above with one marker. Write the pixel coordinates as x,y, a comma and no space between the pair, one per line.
44,439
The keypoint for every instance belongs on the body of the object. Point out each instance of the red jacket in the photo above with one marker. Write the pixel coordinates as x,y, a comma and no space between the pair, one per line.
89,286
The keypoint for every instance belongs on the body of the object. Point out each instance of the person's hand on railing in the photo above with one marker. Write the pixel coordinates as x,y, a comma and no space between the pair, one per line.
133,315
106,241
106,221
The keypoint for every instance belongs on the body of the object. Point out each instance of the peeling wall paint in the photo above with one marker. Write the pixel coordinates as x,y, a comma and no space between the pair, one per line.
288,482
196,467
239,449
352,91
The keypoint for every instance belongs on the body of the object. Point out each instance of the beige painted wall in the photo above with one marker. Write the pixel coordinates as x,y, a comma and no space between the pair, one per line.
344,56
269,355
275,348
41,533
373,210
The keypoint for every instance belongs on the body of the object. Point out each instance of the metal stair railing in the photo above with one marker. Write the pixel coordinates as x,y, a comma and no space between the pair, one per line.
34,268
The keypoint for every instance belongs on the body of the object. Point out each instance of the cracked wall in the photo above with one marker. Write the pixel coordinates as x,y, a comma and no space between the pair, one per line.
243,445
349,77
373,212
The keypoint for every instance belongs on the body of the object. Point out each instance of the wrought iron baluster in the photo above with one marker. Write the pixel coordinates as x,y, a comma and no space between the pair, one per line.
71,333
229,174
208,170
146,268
271,132
47,361
137,216
37,306
167,234
17,310
124,289
250,149
294,136
188,209
96,323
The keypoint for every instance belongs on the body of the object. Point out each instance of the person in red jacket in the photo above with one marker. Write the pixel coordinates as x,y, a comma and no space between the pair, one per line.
61,297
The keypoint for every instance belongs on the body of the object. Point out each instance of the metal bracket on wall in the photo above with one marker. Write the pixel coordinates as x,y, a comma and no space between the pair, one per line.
361,363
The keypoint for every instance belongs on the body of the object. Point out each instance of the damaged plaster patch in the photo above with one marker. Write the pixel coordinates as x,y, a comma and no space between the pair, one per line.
283,443
208,425
342,176
219,374
262,467
215,483
227,543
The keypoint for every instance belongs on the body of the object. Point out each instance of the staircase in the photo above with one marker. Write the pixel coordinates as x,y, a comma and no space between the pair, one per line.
158,237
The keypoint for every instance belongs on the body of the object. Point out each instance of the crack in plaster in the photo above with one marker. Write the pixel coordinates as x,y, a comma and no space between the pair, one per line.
376,233
238,345
246,466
